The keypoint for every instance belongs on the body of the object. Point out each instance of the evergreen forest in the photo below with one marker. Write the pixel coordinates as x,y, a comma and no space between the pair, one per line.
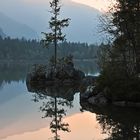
32,50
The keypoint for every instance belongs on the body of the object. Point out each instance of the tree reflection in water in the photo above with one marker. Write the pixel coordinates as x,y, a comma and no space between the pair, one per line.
118,122
54,109
55,100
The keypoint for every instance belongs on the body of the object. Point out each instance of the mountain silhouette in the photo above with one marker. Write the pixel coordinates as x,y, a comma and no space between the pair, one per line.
2,33
84,24
16,29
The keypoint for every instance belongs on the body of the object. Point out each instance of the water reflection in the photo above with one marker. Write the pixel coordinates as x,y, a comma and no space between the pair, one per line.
118,123
12,72
19,115
51,109
88,67
56,101
17,71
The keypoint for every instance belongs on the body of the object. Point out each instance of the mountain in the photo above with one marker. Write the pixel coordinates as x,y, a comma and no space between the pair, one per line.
1,33
16,29
83,25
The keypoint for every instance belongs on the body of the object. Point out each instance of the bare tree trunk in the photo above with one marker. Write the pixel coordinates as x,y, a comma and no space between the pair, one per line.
56,133
55,38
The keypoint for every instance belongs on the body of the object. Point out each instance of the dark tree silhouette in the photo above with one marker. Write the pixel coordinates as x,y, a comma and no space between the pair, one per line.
51,109
121,60
122,22
117,122
118,125
54,103
31,50
56,25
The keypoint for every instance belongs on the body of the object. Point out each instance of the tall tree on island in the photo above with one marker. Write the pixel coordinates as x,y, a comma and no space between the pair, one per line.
56,25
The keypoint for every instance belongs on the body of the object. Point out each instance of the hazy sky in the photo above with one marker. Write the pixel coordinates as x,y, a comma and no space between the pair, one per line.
34,13
98,4
101,5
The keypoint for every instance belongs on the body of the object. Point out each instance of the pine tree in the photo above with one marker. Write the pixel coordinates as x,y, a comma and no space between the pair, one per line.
123,22
127,19
56,25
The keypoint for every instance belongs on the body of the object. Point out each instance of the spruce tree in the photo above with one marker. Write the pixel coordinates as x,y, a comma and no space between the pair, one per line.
127,19
120,74
56,24
122,22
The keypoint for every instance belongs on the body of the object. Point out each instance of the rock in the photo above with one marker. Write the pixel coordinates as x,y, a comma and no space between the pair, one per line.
90,89
88,93
98,100
84,96
63,74
88,80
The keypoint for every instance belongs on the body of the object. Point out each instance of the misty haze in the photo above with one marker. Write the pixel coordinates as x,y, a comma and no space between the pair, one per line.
69,70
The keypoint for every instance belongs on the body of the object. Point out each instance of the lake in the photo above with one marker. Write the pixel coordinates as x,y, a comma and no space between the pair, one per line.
57,113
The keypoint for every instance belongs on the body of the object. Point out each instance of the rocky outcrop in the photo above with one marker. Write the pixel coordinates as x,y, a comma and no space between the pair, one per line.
98,99
88,81
89,93
64,92
92,98
62,74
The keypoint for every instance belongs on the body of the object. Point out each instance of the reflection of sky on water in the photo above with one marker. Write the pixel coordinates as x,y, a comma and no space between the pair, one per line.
20,117
95,74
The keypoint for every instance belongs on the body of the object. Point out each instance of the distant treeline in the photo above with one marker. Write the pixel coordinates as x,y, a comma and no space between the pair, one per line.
18,71
15,49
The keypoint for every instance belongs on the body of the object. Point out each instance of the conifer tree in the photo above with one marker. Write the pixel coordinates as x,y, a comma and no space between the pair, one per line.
56,24
123,22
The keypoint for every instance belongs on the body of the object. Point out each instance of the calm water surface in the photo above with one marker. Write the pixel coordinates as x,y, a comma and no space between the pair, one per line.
58,114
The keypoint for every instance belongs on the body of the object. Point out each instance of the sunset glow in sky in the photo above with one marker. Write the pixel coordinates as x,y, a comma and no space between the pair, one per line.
101,5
